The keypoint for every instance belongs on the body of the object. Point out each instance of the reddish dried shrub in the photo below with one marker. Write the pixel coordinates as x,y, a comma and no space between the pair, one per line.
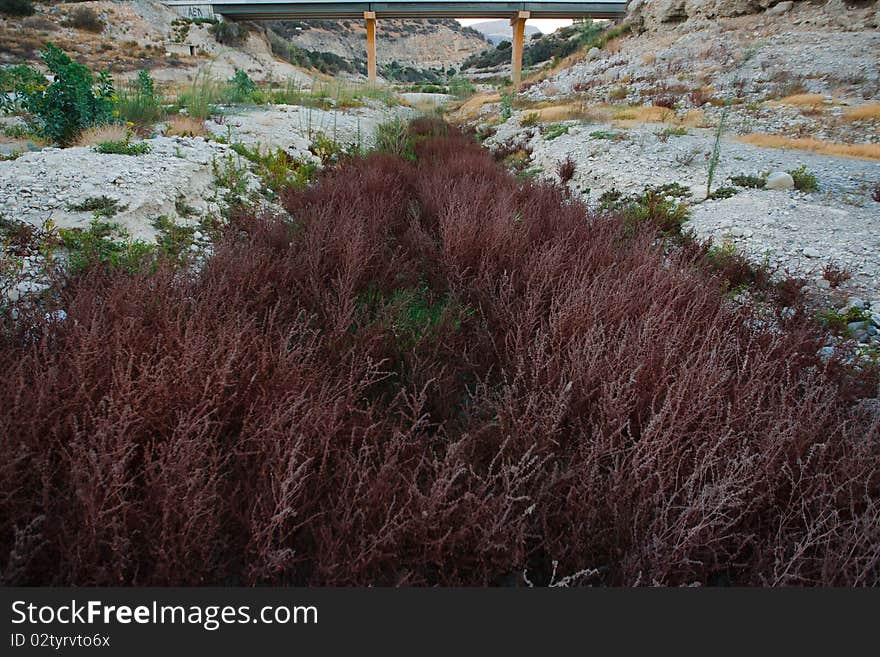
435,374
835,274
566,169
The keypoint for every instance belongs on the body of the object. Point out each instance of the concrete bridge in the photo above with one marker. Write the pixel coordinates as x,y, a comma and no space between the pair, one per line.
518,12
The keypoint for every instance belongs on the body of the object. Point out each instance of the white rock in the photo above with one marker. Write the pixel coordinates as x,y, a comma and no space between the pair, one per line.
810,252
594,54
779,180
781,8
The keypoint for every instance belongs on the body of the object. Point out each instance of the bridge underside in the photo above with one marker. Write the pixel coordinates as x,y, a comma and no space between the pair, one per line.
492,9
517,12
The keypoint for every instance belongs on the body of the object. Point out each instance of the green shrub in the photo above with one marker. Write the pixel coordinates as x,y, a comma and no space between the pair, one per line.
555,130
242,88
723,192
608,134
804,180
202,97
753,182
124,147
393,137
75,100
460,86
530,119
277,168
16,7
663,205
173,239
16,84
101,206
139,103
103,244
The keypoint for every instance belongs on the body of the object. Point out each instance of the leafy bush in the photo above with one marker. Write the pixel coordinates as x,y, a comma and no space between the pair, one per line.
436,375
17,7
75,100
804,180
103,245
242,88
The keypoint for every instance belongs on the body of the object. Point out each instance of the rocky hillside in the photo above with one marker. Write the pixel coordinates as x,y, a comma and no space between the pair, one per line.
125,37
136,34
762,123
500,30
434,43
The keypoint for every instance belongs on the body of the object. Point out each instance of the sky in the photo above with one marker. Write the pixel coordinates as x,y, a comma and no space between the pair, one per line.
544,24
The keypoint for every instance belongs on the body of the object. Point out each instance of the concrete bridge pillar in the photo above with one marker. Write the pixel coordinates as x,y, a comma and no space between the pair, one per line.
518,23
370,17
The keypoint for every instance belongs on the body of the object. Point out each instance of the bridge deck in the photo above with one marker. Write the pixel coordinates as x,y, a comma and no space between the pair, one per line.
273,10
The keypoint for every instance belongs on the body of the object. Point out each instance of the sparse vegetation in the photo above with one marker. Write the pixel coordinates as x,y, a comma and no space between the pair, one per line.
103,245
613,135
123,147
277,168
749,180
100,206
555,130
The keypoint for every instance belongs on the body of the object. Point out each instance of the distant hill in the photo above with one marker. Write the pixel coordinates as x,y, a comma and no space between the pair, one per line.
500,30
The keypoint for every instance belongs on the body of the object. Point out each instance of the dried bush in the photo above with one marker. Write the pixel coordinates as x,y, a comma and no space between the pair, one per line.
566,169
436,374
835,274
85,18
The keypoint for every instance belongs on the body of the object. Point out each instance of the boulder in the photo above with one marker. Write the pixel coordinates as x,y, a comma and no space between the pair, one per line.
781,8
594,54
779,180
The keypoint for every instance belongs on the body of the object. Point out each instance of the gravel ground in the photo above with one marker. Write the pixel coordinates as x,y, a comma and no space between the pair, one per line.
798,231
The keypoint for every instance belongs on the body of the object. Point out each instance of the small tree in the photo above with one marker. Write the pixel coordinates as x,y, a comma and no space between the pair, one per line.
75,100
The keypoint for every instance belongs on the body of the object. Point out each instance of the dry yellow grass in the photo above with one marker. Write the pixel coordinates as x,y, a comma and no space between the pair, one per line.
185,126
100,134
860,151
649,58
572,111
801,100
471,107
863,113
643,114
